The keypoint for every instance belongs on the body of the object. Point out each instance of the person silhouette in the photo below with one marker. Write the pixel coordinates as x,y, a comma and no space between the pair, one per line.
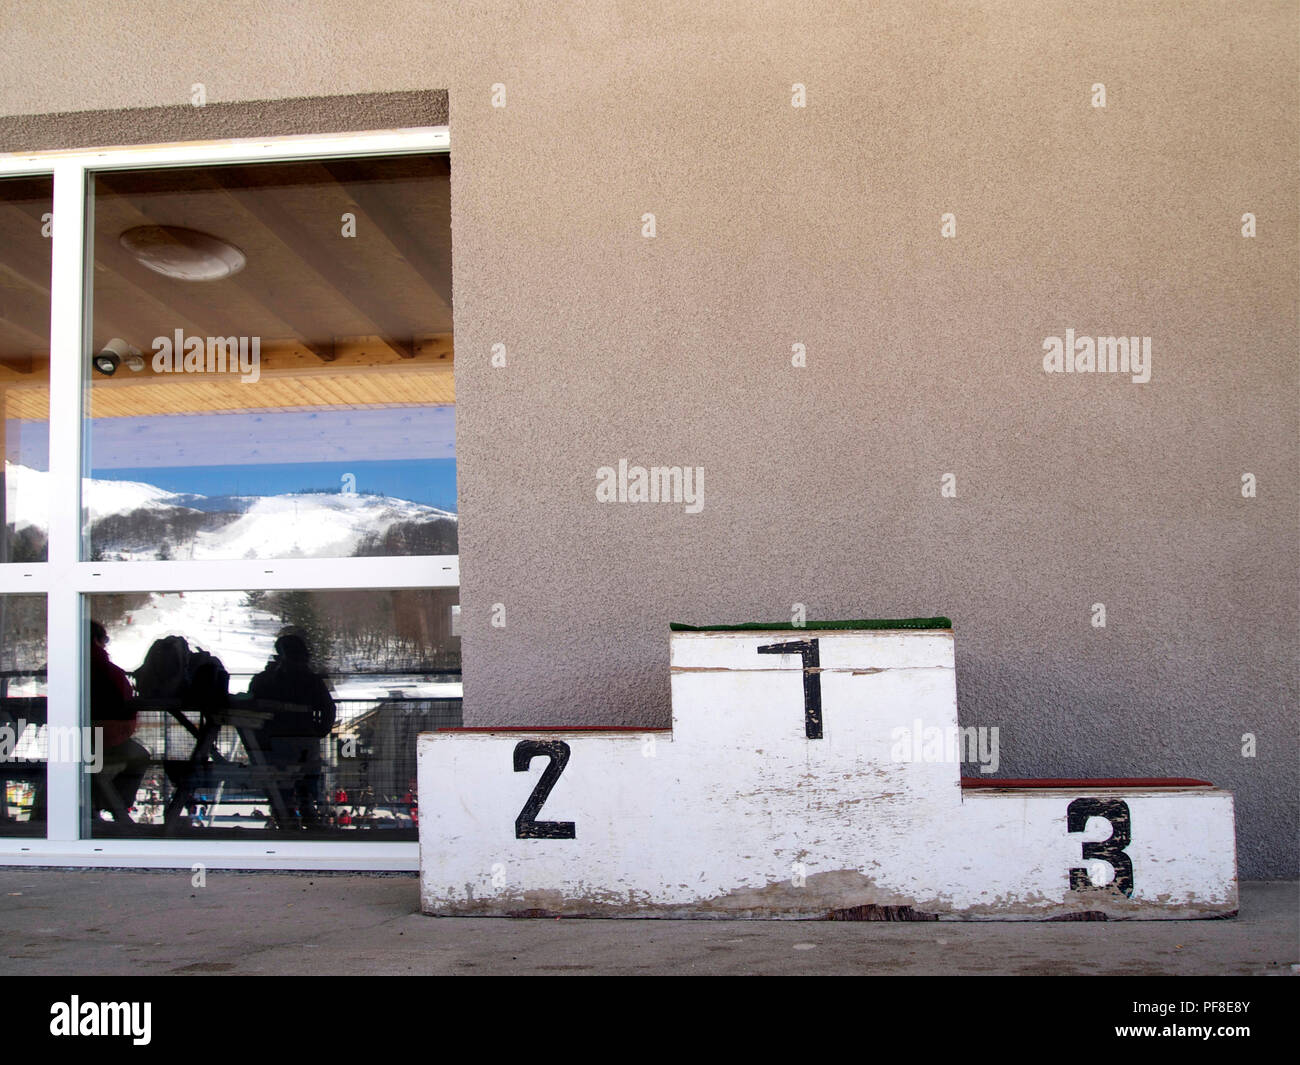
290,740
125,759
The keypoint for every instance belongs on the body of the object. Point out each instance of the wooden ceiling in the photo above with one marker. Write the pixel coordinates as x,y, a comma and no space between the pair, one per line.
24,274
358,320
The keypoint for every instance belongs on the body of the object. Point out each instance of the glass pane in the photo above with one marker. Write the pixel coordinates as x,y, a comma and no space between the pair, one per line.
271,374
24,740
26,206
283,713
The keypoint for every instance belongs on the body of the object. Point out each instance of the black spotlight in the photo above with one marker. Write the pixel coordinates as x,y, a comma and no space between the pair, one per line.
107,363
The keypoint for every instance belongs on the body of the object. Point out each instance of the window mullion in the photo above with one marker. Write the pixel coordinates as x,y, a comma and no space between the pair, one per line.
69,309
396,571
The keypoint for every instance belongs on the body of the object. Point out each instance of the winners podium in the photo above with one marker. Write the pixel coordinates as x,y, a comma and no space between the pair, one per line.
794,784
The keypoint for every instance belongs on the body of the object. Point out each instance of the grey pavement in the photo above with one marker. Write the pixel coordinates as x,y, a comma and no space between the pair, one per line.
136,922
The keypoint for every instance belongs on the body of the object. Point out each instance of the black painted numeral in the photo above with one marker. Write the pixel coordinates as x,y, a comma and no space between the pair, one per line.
526,827
812,681
1108,850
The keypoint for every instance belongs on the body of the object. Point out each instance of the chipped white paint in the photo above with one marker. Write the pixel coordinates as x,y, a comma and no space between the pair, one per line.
737,813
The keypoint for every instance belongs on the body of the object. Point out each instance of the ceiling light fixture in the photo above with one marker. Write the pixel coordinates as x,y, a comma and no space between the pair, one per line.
183,254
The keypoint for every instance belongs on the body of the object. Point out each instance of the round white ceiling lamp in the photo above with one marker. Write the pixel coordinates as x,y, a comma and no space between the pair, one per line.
185,254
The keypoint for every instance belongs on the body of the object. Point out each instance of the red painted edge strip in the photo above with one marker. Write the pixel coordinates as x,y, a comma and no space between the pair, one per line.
1094,782
554,728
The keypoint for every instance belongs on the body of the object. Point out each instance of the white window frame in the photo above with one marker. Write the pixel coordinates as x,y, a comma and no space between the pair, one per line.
65,579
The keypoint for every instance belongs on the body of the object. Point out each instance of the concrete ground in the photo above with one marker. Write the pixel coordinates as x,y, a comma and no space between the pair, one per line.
100,922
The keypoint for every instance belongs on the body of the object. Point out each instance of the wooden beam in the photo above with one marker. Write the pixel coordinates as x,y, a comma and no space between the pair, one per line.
369,196
324,352
31,325
125,265
23,270
183,310
107,325
314,258
19,364
312,371
399,383
287,357
12,260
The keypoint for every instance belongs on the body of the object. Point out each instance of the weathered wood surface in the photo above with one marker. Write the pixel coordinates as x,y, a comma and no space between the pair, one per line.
753,806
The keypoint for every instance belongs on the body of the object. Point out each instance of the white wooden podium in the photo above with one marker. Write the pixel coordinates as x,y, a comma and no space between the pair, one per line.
779,793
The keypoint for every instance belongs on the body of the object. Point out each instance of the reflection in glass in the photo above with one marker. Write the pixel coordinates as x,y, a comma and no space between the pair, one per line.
271,371
24,740
26,225
284,712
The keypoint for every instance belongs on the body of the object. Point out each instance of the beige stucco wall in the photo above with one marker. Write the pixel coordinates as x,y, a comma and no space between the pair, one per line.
821,226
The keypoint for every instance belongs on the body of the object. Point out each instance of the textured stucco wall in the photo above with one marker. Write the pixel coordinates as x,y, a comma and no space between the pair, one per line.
822,226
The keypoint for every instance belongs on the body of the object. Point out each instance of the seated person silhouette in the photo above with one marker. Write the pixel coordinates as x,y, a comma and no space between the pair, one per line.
125,760
290,741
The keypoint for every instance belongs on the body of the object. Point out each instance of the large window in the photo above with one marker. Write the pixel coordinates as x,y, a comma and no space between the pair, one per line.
230,498
24,740
273,351
306,725
26,226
